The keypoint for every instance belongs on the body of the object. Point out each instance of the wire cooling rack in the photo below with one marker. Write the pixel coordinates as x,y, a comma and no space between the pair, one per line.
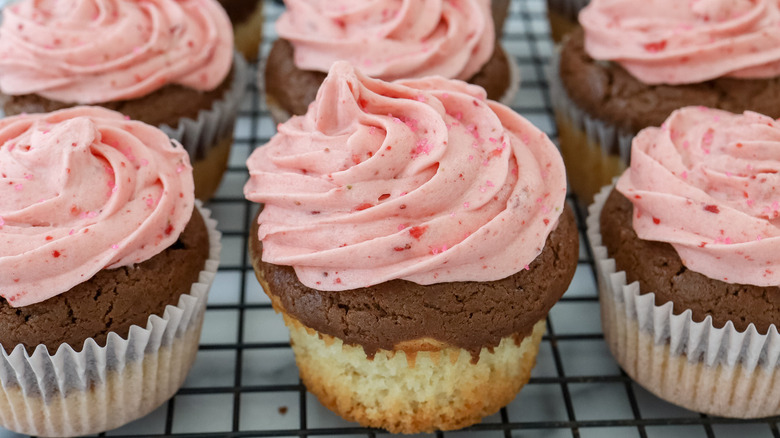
245,384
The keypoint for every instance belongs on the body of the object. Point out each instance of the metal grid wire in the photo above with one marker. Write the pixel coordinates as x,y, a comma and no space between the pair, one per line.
244,382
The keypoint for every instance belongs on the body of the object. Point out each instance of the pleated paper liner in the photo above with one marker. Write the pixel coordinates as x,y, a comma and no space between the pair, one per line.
100,388
717,371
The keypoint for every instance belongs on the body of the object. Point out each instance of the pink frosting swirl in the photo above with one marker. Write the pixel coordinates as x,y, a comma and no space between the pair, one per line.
391,39
82,190
681,41
93,51
708,183
423,180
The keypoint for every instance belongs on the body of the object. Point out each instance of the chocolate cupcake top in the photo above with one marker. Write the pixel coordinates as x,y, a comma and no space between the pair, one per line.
82,190
423,180
708,183
391,39
685,42
91,51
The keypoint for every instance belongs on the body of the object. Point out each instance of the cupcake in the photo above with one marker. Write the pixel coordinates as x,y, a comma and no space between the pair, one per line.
247,19
167,63
455,39
414,236
689,272
562,15
105,269
635,63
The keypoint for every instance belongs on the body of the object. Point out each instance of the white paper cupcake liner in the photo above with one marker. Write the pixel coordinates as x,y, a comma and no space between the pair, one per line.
568,8
719,371
281,115
216,123
611,139
99,388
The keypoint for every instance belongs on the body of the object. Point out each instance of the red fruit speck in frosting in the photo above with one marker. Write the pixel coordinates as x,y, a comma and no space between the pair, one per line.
656,220
49,238
417,232
55,253
656,46
169,229
712,208
363,206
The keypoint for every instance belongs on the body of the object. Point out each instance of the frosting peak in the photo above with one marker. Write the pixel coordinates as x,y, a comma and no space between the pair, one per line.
681,42
94,51
83,190
708,183
391,39
423,180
